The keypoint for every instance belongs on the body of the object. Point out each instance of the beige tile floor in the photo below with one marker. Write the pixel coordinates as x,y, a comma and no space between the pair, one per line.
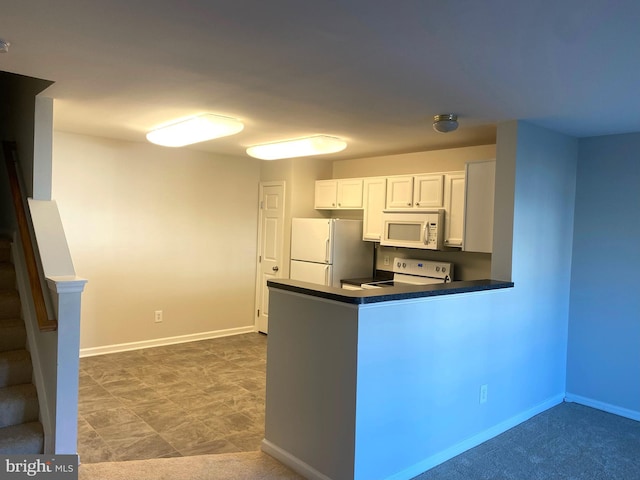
179,400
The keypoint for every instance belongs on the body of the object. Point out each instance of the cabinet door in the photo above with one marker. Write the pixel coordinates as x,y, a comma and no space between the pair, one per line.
399,193
428,191
374,200
454,209
480,189
326,194
350,193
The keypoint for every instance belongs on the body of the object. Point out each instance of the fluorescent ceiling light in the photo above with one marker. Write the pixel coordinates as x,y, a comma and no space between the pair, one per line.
195,129
299,147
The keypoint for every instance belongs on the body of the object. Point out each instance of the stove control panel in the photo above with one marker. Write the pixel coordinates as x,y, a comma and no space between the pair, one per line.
423,268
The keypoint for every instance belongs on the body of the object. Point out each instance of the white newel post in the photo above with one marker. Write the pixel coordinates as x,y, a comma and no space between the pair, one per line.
66,293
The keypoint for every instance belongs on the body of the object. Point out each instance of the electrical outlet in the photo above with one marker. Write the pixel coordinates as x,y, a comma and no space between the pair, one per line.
484,393
387,260
158,316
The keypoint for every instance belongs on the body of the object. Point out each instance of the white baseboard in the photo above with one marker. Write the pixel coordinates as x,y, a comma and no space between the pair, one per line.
476,440
158,342
605,407
294,463
414,470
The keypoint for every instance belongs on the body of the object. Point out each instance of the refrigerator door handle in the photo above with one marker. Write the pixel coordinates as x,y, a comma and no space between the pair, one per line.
326,275
326,251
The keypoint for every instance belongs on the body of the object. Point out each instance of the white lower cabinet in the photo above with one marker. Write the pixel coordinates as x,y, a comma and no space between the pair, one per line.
374,195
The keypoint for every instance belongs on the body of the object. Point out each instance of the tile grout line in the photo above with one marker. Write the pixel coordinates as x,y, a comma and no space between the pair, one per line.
248,371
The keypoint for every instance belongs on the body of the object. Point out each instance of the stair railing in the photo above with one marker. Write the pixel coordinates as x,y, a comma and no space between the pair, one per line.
19,202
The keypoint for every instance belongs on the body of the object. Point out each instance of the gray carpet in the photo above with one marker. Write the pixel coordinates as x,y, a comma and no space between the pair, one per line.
567,442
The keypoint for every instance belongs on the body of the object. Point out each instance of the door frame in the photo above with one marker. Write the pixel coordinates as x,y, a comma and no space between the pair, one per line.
258,279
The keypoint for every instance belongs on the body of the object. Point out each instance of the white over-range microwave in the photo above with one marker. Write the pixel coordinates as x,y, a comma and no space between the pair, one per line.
420,229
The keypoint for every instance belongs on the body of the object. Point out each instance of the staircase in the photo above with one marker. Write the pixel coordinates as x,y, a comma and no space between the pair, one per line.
20,429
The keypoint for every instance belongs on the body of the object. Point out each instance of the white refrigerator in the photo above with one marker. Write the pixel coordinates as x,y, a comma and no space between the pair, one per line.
327,250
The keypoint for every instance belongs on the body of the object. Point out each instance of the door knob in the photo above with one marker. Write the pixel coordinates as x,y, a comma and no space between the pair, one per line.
275,269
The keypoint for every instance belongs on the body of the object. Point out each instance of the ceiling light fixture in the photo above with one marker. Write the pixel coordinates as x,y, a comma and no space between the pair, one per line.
298,147
194,130
4,46
445,123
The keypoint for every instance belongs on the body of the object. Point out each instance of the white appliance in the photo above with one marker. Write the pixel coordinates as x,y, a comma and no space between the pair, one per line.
413,272
420,229
326,250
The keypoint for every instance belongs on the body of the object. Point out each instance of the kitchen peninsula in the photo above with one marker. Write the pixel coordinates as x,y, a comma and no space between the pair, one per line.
356,378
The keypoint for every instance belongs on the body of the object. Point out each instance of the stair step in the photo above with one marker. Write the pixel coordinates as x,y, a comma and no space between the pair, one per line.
5,250
7,275
18,404
20,430
10,306
24,439
15,367
13,335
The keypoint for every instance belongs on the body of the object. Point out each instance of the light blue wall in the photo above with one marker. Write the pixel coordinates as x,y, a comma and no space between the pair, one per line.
421,365
603,366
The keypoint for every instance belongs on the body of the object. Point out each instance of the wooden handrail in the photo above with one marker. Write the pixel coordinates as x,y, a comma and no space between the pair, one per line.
19,202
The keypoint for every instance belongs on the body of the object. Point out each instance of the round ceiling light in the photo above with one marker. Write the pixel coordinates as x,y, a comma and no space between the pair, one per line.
4,46
445,123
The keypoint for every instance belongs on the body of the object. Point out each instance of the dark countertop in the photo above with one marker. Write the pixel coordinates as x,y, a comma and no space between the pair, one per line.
404,292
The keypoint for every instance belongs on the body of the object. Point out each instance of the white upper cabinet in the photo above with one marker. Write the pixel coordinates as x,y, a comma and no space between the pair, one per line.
428,191
454,190
466,196
338,194
326,194
479,196
415,192
350,193
374,196
399,193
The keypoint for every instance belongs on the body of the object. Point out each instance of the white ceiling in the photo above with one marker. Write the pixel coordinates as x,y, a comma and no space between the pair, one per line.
371,71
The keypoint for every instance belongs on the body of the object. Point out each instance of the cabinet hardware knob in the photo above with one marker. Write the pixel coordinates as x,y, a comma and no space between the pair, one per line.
275,269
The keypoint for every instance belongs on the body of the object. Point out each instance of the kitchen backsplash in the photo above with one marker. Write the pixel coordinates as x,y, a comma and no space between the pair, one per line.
467,265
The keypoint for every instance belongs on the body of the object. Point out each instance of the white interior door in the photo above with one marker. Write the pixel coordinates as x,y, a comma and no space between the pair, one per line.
270,247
